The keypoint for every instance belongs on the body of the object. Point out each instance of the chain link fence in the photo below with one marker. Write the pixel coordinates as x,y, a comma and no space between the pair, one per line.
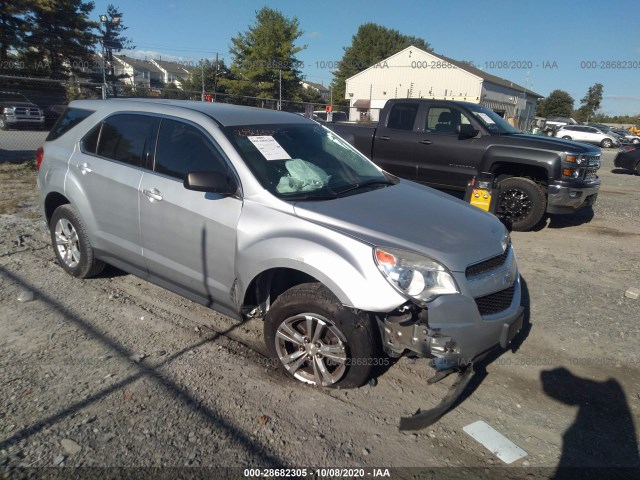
24,127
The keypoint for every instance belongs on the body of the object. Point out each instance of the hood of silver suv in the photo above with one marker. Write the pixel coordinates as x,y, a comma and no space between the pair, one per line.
415,218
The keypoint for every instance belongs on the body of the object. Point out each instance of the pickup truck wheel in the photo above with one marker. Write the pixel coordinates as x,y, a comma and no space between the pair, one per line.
606,143
71,244
522,201
3,124
319,341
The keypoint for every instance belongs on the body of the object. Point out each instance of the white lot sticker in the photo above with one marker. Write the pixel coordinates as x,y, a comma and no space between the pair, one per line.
486,118
269,147
495,442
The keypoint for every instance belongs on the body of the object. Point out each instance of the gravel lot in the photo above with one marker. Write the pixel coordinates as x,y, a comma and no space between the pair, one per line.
116,372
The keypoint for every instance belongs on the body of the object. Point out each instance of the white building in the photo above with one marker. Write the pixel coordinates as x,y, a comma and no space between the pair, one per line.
414,73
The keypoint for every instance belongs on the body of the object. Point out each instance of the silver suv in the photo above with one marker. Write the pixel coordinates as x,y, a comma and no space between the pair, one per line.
254,212
587,134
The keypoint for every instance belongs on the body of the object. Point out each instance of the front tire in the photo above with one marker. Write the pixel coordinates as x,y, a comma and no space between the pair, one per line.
71,243
522,201
319,341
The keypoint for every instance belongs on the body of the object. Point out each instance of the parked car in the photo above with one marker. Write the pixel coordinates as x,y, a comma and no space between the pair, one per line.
551,124
16,110
587,134
628,157
335,116
627,136
259,213
445,144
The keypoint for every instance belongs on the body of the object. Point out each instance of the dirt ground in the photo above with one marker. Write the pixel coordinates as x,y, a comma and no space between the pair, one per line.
116,372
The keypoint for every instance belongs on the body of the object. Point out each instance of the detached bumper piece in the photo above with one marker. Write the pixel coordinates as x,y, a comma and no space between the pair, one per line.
423,419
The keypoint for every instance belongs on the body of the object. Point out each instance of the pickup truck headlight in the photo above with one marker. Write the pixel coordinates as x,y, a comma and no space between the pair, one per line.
8,110
417,276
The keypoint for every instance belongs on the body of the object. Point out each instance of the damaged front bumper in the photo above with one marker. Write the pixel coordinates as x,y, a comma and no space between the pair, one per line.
454,332
451,329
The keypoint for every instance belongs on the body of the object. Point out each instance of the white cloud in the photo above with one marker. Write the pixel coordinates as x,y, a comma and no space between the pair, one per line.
314,35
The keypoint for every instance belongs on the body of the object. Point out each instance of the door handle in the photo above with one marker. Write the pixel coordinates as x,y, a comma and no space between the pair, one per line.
153,195
425,142
84,168
385,138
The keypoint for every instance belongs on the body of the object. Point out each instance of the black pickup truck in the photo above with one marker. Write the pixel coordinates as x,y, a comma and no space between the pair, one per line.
445,143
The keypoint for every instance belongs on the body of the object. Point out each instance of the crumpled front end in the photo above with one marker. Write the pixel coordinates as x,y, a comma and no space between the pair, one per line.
457,330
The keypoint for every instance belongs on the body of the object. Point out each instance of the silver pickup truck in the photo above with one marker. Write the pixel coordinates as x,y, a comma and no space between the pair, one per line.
258,213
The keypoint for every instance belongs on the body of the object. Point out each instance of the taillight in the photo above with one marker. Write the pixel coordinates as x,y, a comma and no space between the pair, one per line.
39,157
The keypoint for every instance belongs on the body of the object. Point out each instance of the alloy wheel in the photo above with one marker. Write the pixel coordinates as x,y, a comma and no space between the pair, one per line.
67,243
515,204
312,349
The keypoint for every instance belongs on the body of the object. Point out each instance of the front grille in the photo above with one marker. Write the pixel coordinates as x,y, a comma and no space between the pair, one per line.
487,265
27,111
593,160
496,302
591,174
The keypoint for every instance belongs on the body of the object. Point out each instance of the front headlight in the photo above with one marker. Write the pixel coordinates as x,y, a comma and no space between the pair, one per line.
506,240
417,276
9,110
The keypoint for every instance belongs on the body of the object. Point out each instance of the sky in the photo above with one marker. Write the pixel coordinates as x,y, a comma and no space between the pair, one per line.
544,45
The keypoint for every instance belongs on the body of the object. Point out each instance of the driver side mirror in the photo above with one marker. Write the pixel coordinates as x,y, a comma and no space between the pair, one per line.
211,182
466,131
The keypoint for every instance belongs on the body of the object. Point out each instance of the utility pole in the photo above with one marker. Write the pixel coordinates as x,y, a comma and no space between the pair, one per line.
215,79
280,89
202,78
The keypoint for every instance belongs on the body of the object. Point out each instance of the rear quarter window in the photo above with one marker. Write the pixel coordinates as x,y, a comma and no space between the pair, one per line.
69,119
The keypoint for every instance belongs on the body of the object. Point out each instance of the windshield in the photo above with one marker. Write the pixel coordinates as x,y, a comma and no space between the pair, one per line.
12,97
303,162
491,120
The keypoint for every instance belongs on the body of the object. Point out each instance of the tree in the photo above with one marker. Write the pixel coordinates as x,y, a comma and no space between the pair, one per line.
371,44
264,57
13,27
590,103
558,104
216,77
62,35
117,28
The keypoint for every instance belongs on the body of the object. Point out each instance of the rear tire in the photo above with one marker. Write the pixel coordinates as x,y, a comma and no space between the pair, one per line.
606,143
522,201
71,243
319,341
567,137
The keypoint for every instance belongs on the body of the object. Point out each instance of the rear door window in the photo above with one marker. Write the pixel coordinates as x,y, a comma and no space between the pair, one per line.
127,138
183,148
403,116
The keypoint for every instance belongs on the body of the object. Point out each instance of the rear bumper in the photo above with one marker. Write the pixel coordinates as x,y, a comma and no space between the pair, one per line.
565,199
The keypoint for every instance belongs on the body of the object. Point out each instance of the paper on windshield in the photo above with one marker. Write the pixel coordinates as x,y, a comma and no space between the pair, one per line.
485,117
269,147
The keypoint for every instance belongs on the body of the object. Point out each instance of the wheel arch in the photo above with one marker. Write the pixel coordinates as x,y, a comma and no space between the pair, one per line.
52,202
268,285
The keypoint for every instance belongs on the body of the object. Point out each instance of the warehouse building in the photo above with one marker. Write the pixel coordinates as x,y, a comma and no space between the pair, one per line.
415,73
